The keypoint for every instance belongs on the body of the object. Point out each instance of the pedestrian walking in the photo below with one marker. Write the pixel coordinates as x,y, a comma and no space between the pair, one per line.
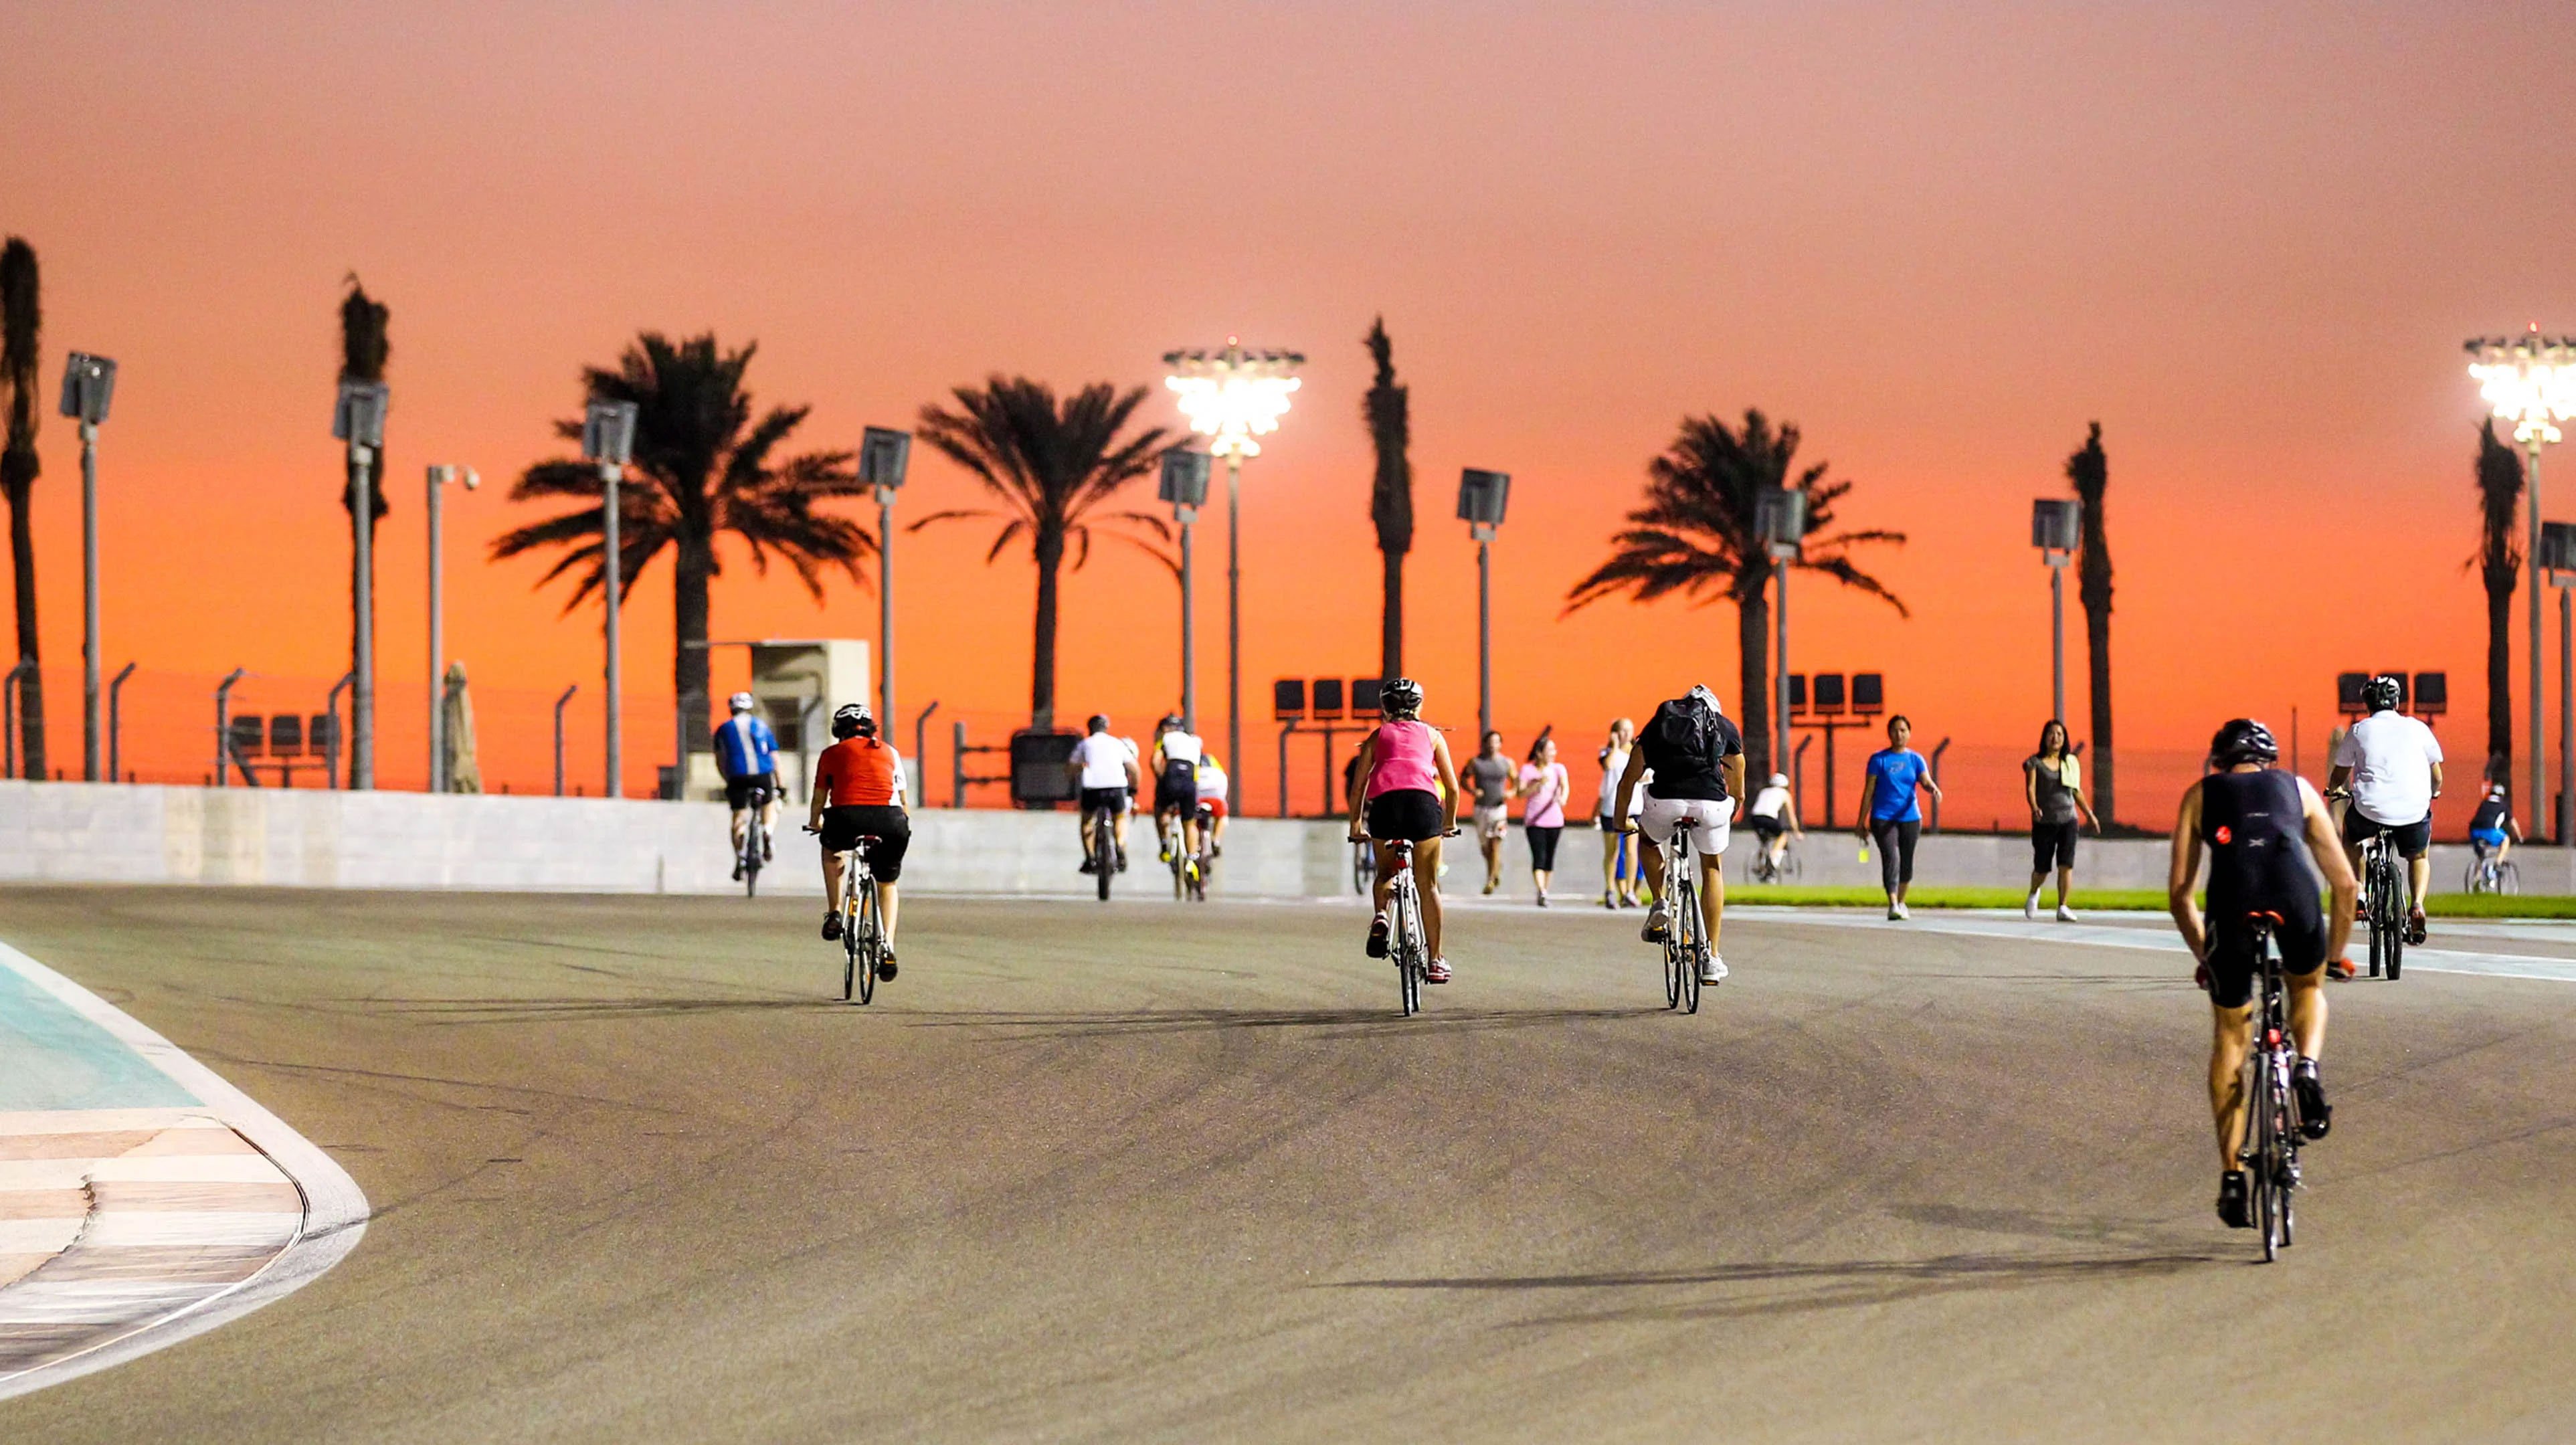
2054,782
1618,846
1488,776
1889,814
1543,785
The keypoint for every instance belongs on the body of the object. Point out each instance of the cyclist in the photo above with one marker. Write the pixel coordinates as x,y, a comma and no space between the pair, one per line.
1489,776
1104,769
2393,767
1177,751
2493,829
1889,813
2268,837
858,793
1696,755
747,755
1211,786
1407,792
1774,816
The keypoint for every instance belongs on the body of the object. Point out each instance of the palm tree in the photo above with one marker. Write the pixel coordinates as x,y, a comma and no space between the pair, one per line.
364,350
1696,535
703,467
1387,409
2090,473
2499,564
1052,467
19,324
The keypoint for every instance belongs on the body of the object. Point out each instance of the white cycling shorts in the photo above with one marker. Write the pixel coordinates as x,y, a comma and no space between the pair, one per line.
1707,818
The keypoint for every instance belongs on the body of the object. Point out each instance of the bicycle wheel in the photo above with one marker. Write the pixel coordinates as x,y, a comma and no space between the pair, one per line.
2508,877
1180,871
871,933
1681,939
849,949
1409,950
1104,849
2266,1176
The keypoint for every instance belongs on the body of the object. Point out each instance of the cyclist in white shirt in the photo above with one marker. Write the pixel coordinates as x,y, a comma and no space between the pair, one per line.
1177,751
2393,766
1774,818
1211,781
1104,768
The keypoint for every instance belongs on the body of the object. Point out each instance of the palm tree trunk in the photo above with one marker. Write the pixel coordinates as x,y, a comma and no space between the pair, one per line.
1753,649
2090,472
2500,583
693,563
1391,618
1050,554
2097,650
22,557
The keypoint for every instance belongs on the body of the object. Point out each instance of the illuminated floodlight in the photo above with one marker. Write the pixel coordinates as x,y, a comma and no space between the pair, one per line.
1233,395
2529,380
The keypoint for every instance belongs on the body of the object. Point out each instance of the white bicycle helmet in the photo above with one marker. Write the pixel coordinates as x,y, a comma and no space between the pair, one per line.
741,702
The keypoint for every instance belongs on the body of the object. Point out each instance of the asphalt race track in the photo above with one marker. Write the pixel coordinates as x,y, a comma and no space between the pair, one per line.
1141,1172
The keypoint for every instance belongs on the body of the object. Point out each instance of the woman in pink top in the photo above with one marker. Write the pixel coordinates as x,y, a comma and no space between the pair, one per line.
1408,791
1543,783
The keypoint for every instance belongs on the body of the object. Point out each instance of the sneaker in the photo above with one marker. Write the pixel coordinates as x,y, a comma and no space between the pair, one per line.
2235,1208
1122,860
1089,866
1377,936
1610,901
2414,927
832,927
768,854
1896,912
2066,914
737,867
1167,853
1656,924
2030,909
1629,900
2341,970
1712,969
2316,1116
2361,910
1436,971
885,966
1542,898
1491,884
1216,850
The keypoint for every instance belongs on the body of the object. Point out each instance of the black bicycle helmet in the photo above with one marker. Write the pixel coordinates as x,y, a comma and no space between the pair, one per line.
2243,740
852,719
1401,697
2382,693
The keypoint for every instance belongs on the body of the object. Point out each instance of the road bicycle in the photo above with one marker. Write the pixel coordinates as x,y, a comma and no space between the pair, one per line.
2491,874
755,845
1762,868
1204,860
1189,865
2383,893
1363,868
1685,943
1406,942
1104,846
2270,1153
863,939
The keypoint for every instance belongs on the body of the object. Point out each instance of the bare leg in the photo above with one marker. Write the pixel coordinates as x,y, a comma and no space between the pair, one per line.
1609,864
1426,878
2419,878
1651,858
2065,884
2231,1034
831,881
741,820
2039,881
886,910
1493,847
1712,894
1383,890
2308,1012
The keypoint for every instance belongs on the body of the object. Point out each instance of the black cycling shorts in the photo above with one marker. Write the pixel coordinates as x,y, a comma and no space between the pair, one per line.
1407,814
2052,845
2411,838
1177,790
738,790
885,824
1095,799
1766,828
2301,936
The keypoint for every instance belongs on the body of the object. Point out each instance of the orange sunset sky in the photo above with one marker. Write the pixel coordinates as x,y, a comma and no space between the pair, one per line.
2249,239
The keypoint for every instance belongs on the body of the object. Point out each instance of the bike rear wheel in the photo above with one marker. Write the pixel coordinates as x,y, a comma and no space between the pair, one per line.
1104,849
870,953
1411,953
849,950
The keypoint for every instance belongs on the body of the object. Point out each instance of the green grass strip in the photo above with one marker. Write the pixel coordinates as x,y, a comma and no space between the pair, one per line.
2114,900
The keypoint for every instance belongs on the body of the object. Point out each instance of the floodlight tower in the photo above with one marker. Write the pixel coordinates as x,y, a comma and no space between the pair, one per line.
2529,380
359,420
1184,485
1780,517
1233,395
89,382
608,440
1482,496
884,456
2054,525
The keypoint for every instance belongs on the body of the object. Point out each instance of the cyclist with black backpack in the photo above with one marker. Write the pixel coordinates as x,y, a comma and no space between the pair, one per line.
1696,755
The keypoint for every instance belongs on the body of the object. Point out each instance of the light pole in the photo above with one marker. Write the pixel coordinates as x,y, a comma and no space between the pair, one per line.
559,707
1233,395
2529,380
1780,517
2054,525
608,439
359,420
1184,485
439,477
884,455
2558,559
88,384
1481,498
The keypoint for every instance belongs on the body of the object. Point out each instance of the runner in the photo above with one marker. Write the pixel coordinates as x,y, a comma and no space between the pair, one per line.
1408,790
1889,813
1543,786
1618,849
747,757
2268,838
1774,816
1177,751
2393,766
1695,755
1488,776
1104,770
858,793
2054,783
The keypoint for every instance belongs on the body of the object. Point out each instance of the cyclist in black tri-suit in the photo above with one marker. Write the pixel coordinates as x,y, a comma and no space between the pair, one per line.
2268,837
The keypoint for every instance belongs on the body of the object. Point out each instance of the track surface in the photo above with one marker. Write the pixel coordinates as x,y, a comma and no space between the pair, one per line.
1140,1172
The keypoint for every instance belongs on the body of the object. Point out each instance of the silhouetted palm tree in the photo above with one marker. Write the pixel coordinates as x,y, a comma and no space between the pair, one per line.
1052,467
20,322
1697,535
1388,411
2499,564
703,467
2090,472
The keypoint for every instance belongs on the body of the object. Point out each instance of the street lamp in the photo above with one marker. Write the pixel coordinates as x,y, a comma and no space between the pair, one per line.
2054,523
359,420
884,456
2558,559
439,478
1481,497
2529,380
608,439
1780,518
1184,486
89,382
1233,395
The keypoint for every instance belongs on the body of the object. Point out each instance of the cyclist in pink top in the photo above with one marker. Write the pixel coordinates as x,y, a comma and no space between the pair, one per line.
1408,792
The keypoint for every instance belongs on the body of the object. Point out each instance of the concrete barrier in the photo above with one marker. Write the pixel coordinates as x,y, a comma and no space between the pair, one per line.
308,838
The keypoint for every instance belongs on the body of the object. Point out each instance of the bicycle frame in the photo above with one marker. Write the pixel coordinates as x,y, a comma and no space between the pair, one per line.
1406,942
1683,926
2269,1151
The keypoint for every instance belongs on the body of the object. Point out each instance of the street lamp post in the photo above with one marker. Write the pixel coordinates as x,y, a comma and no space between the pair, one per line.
1780,516
88,384
884,456
1184,486
1482,496
359,420
2558,559
439,477
2054,525
608,439
1233,395
2529,380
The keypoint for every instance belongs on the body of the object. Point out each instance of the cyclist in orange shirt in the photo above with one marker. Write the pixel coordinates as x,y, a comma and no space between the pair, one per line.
858,793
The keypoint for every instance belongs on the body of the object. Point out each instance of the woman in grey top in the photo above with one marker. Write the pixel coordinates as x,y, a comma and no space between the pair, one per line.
1488,777
2054,783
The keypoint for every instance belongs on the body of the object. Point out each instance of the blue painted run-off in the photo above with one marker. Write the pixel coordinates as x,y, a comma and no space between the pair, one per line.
52,1058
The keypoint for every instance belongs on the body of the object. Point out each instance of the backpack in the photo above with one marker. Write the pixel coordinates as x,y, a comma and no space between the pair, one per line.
1683,728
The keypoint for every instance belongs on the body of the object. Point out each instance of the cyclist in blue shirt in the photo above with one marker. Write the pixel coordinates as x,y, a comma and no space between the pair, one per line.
1888,813
747,755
